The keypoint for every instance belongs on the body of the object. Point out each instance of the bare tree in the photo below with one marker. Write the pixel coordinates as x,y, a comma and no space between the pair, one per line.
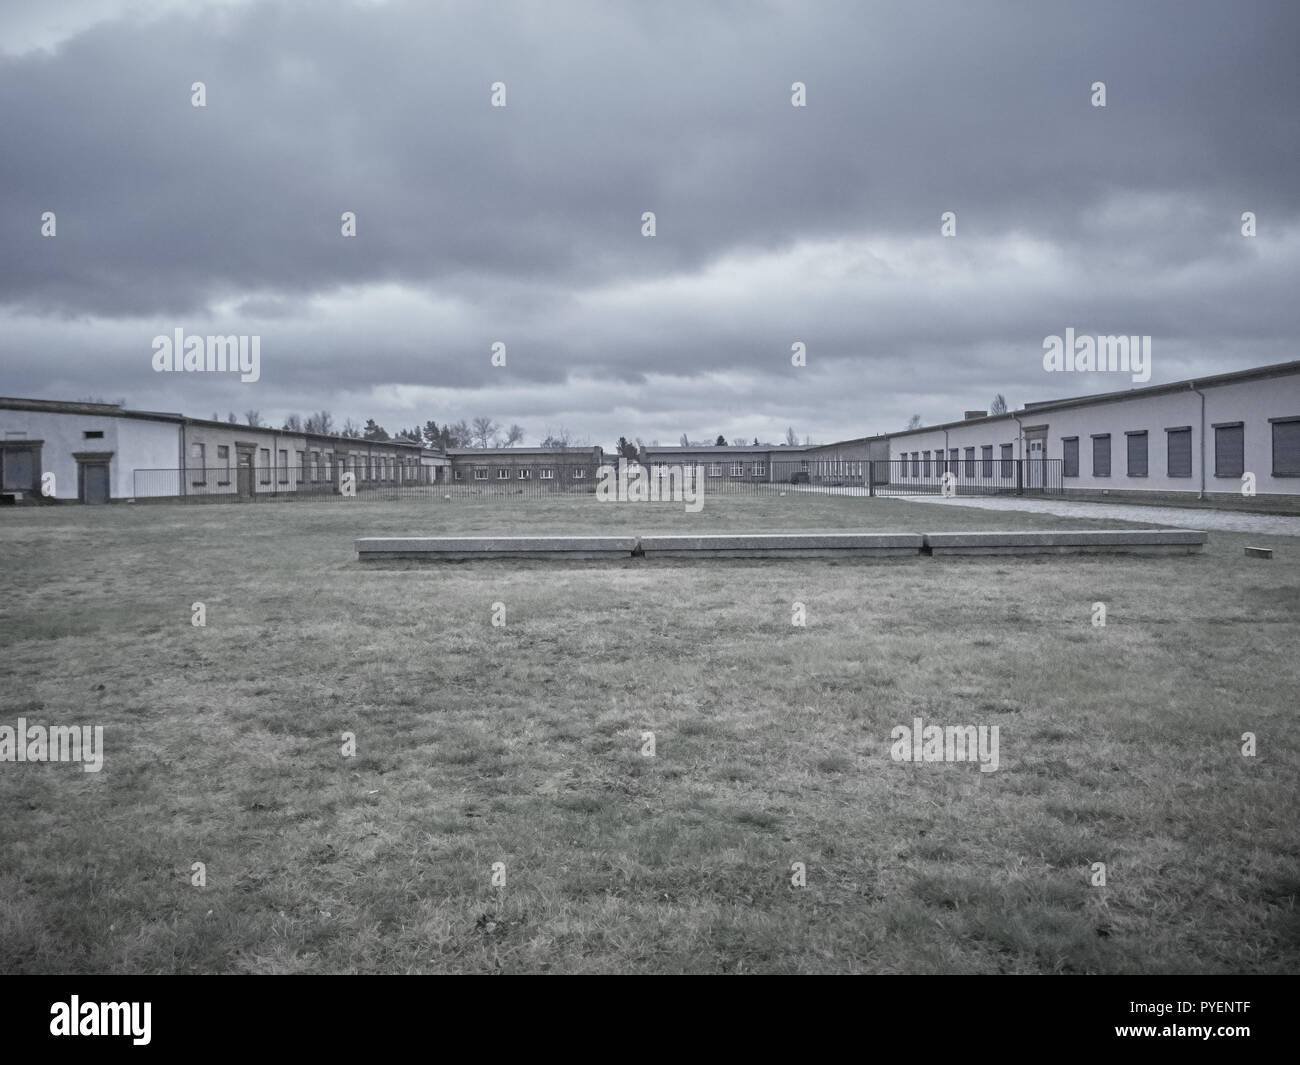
558,440
460,435
999,404
914,422
321,421
482,431
293,424
253,418
350,429
791,437
514,434
232,419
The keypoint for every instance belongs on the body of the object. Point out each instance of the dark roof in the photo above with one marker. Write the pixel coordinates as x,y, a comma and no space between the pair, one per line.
490,452
724,450
1281,369
353,441
114,410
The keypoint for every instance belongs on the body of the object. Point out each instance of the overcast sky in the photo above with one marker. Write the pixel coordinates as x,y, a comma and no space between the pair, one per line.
523,224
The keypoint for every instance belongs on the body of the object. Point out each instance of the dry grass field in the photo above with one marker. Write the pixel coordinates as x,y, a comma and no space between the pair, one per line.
522,744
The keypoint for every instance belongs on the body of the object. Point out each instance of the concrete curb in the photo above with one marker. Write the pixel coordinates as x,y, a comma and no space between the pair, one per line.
781,545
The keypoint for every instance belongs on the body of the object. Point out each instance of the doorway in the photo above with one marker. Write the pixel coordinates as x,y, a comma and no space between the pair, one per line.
93,484
1034,478
244,470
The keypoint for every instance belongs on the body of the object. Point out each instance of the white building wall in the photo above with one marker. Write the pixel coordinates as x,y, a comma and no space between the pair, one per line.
1252,402
133,442
145,445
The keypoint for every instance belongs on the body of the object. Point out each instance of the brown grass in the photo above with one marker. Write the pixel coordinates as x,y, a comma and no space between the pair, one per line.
521,744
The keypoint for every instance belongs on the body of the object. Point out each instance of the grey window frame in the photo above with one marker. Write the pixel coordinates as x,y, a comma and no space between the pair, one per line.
1170,432
1130,435
1219,427
1275,422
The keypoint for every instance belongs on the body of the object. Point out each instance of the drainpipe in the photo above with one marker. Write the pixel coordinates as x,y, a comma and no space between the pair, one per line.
1020,446
1192,386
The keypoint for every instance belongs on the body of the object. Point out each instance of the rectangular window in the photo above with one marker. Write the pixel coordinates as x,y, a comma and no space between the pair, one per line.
737,469
264,463
284,466
302,461
1286,447
315,465
459,475
93,434
197,460
503,474
1069,456
952,460
1137,452
986,460
925,463
1229,449
524,473
1008,461
1101,455
223,464
916,464
715,469
1178,443
970,462
760,469
578,475
19,469
480,473
546,475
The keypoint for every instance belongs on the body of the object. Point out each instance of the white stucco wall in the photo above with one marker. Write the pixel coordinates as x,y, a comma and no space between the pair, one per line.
133,443
1252,402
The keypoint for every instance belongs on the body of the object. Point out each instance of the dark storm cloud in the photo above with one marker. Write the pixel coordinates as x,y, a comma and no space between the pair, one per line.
775,224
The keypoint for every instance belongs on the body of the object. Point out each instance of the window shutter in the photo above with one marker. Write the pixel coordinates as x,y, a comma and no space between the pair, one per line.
1286,449
1229,451
1070,458
1137,454
1180,453
1101,456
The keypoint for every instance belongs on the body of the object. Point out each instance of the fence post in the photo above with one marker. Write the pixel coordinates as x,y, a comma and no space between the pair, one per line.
1020,477
871,478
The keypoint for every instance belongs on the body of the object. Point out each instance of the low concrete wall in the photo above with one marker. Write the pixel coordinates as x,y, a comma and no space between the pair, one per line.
1068,541
782,545
462,548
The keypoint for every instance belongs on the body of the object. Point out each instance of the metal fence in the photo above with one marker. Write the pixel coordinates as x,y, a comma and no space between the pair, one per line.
857,477
338,482
967,477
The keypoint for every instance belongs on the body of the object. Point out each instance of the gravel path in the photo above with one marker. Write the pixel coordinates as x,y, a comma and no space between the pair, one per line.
1177,517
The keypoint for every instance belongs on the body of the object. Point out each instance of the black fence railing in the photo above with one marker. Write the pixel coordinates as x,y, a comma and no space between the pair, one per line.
967,477
532,480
